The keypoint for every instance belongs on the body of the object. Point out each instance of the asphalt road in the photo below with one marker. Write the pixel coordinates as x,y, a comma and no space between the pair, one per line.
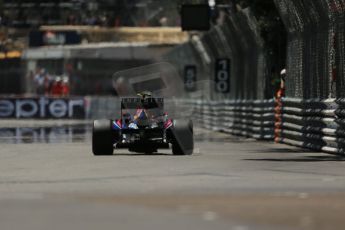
49,179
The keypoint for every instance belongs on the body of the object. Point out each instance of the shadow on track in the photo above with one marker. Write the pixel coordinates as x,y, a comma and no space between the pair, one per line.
301,159
283,150
139,154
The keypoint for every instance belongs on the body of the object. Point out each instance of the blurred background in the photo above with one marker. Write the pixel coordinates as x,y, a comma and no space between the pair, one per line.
83,43
262,80
233,53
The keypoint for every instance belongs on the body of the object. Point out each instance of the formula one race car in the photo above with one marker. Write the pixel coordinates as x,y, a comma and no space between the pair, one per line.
144,127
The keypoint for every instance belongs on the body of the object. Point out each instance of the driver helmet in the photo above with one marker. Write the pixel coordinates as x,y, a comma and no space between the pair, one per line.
141,113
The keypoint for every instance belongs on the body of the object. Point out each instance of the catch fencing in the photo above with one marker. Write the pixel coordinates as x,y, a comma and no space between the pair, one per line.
237,39
316,47
312,114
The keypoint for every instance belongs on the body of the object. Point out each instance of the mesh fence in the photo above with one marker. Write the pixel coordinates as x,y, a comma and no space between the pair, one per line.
315,52
237,39
240,35
338,12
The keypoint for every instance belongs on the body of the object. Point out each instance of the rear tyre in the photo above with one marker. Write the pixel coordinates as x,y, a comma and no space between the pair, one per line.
182,137
102,138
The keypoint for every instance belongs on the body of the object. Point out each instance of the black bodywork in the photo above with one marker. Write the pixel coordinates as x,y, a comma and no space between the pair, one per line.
150,133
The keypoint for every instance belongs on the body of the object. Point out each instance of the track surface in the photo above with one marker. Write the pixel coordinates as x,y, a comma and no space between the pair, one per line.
50,180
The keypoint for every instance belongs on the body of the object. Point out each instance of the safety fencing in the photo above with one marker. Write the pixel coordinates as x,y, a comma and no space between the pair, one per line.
313,124
318,125
238,40
316,47
249,118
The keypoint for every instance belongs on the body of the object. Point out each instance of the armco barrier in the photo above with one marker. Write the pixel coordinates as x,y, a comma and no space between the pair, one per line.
313,124
248,118
340,120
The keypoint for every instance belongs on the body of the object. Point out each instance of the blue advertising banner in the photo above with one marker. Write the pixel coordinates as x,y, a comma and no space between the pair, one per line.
43,107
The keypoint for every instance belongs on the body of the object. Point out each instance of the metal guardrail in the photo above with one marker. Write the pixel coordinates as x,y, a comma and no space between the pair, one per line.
250,118
314,124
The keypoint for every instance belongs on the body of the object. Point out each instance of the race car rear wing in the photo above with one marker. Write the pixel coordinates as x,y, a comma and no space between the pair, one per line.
139,103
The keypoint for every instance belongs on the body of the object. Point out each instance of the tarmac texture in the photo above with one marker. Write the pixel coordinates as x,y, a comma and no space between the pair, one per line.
49,179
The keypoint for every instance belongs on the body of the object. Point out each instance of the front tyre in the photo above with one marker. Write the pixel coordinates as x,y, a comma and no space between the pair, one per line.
102,138
182,137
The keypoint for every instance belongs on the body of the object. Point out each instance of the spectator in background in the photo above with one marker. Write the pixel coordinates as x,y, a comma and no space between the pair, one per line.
281,92
103,20
163,21
91,20
47,84
117,22
71,20
39,81
57,87
65,86
30,77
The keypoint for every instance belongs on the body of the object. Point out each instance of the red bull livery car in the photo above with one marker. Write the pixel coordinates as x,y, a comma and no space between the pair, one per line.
144,127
